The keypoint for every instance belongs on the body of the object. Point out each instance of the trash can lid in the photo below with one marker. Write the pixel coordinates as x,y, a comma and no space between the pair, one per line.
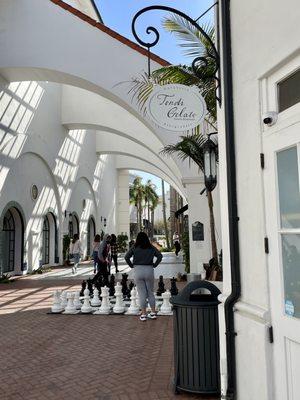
185,296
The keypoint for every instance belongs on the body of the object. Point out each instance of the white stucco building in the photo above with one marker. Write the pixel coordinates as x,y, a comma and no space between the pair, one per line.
70,133
265,84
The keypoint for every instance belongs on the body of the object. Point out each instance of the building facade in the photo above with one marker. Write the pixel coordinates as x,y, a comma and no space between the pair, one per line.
266,116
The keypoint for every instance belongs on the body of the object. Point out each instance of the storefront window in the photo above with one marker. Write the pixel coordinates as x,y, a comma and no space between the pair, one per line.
291,273
288,185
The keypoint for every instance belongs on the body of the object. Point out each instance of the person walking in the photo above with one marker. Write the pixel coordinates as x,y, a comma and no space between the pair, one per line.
95,250
176,243
114,251
143,254
75,252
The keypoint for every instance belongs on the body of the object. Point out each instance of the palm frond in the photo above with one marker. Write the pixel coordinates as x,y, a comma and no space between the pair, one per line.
189,147
195,44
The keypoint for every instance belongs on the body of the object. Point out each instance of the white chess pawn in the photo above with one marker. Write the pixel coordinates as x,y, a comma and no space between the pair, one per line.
95,300
77,302
105,305
133,308
86,307
119,307
70,309
64,300
56,306
166,307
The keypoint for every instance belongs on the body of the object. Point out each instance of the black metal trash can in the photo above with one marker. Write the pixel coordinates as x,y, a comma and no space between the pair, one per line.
196,339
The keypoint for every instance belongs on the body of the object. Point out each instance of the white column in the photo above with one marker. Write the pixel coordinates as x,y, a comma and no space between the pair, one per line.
123,202
200,251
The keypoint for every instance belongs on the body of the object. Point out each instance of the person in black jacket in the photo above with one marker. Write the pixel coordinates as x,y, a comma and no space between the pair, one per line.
143,254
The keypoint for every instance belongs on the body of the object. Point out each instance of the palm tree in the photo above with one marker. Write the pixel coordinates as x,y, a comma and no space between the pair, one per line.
136,197
149,196
164,213
191,147
154,203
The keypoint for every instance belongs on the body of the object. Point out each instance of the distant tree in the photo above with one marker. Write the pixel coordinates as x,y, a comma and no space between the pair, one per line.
164,213
136,197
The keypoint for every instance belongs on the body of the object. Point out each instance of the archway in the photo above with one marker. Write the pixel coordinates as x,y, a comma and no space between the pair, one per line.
73,224
50,240
13,241
91,232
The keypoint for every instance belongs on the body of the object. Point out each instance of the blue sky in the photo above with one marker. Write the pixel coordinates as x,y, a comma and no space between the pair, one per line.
118,15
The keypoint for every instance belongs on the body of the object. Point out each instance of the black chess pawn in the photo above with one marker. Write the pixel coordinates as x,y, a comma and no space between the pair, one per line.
174,289
124,285
161,286
83,286
105,281
97,284
100,280
90,286
112,285
131,286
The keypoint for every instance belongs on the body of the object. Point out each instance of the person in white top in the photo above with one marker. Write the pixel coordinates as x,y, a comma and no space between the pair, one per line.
75,252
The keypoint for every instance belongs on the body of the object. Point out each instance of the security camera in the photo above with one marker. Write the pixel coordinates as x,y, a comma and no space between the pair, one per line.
270,118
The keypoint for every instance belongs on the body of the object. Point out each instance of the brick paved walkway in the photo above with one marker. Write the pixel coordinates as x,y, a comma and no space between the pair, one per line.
79,357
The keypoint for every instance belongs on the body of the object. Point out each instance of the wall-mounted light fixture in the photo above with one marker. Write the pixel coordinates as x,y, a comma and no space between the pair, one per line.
70,215
210,150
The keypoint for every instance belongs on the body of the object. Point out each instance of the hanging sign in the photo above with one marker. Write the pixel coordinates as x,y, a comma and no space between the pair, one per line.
176,107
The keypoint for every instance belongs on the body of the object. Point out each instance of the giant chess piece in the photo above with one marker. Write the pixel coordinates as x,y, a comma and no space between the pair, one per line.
56,306
70,309
133,308
112,285
64,300
119,307
97,285
166,308
174,289
95,300
131,286
77,302
90,286
105,305
83,286
86,307
125,290
161,286
105,281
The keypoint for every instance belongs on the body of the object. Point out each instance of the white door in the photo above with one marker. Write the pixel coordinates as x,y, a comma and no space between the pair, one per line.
282,203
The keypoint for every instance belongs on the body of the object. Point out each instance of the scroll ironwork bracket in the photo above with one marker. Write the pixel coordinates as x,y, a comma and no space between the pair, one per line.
199,63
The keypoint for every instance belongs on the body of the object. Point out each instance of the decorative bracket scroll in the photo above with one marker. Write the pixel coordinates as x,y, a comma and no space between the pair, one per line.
198,63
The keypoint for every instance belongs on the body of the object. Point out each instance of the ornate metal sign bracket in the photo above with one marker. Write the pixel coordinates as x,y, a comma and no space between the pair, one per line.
199,62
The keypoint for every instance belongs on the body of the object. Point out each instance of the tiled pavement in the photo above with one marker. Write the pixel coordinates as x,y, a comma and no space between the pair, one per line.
84,357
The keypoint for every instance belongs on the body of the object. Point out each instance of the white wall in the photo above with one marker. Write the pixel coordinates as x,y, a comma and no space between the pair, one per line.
264,36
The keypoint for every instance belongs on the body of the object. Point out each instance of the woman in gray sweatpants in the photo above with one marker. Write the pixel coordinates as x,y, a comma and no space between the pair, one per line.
143,254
